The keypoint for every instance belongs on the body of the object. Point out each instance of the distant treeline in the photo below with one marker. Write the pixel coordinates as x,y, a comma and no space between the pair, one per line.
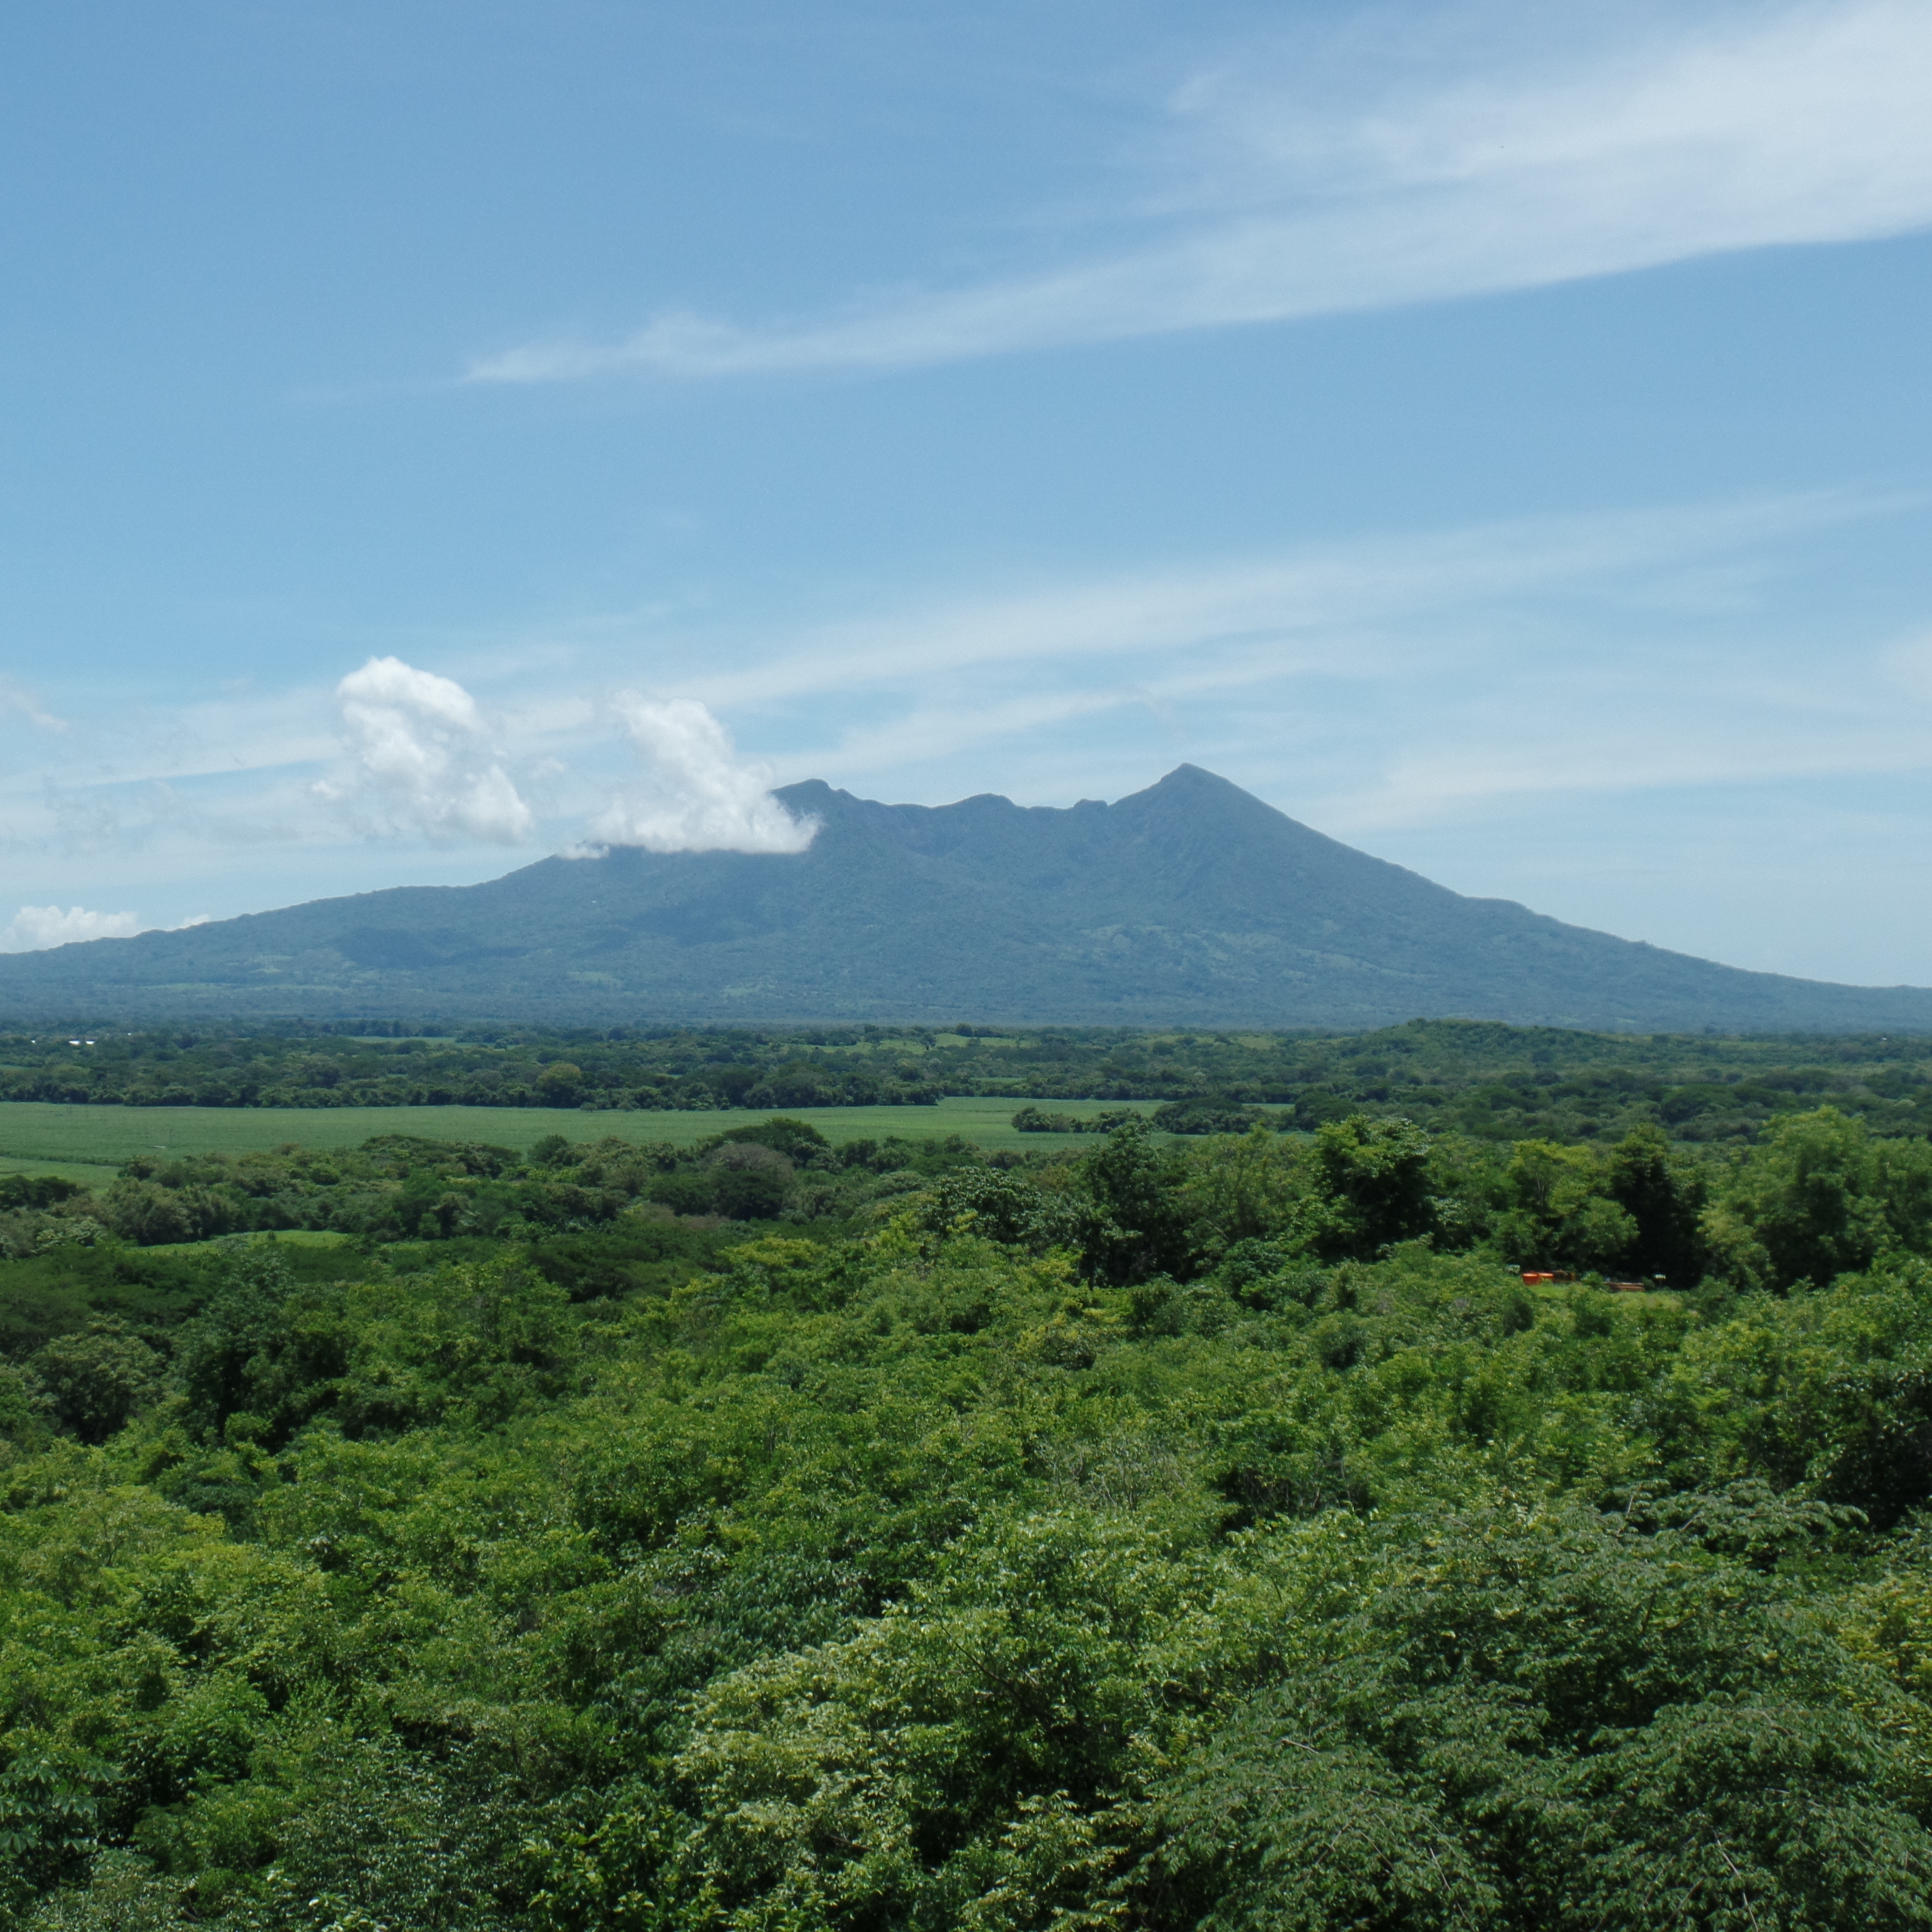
1493,1082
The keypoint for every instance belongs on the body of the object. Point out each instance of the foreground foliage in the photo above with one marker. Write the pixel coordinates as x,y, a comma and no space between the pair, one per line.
1206,1534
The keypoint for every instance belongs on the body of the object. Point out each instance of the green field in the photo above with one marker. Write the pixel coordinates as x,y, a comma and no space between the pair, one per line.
89,1173
82,1140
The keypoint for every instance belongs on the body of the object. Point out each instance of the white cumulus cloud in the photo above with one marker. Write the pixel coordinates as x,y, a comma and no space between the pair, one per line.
1771,126
697,794
35,929
422,757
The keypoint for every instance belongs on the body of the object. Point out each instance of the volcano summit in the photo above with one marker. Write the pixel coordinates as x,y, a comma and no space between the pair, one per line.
1190,904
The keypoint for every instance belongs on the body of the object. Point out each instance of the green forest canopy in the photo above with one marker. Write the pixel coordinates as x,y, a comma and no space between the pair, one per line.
1212,1530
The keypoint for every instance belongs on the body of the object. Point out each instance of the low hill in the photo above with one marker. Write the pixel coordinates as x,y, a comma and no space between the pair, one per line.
1191,903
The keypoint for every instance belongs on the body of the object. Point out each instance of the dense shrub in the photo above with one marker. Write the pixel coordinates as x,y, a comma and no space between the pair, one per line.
1212,1532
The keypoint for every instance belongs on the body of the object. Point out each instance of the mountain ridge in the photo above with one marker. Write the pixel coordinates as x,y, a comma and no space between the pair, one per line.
1189,903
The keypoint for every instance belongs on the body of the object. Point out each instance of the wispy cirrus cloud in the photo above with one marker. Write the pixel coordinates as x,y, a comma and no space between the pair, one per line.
17,698
1262,617
1376,684
1757,127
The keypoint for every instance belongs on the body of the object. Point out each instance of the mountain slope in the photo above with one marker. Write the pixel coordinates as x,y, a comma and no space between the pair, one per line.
1189,903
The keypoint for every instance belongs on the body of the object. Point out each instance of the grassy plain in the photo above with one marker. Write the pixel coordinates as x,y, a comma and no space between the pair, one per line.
83,1141
89,1173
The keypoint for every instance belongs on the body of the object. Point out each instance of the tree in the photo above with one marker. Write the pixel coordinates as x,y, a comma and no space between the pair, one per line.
97,1381
243,1354
1664,1197
1821,1198
1371,1186
1137,1224
140,1211
1244,1189
559,1084
748,1182
1560,1213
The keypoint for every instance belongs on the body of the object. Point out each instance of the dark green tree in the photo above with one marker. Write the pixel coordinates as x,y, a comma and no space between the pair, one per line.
1371,1186
1136,1224
1664,1195
97,1381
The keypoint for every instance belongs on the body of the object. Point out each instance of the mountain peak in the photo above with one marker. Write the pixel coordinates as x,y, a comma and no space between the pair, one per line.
1189,903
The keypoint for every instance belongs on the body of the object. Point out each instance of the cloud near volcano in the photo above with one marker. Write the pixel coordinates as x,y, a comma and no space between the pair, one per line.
422,760
698,795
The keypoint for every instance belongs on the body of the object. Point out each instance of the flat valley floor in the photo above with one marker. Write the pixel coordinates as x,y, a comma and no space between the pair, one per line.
89,1143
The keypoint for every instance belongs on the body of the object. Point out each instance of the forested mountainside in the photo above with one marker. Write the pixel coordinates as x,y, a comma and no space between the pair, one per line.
1253,1531
1191,904
1491,1081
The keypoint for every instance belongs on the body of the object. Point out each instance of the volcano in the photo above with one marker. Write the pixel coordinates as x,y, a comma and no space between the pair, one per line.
1191,904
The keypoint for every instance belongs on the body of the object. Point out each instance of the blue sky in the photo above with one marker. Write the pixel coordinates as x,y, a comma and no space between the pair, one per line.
438,435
